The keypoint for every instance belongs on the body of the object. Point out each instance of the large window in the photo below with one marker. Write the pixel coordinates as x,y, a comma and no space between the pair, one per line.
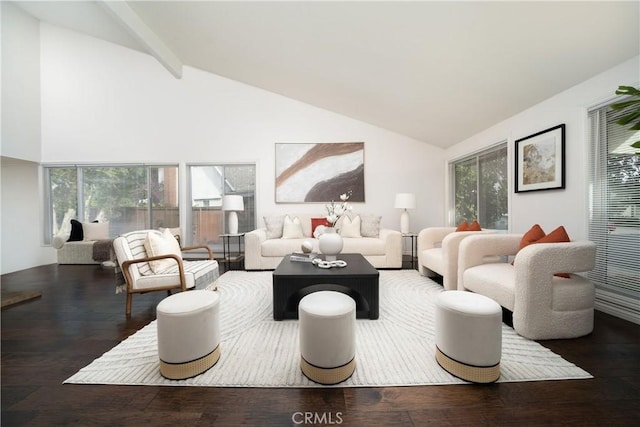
614,216
128,197
479,186
208,184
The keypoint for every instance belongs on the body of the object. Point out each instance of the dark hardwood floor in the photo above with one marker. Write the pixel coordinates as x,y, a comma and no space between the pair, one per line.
79,317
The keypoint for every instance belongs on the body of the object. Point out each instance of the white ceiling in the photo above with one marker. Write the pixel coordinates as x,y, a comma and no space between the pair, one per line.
435,71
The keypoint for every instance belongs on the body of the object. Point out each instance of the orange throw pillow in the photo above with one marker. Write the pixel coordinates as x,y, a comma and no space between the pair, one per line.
558,235
463,226
534,234
474,226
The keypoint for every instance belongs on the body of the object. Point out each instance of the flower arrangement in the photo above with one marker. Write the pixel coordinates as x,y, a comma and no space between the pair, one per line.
335,211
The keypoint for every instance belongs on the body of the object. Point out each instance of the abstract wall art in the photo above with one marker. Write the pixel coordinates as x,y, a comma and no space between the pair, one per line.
319,173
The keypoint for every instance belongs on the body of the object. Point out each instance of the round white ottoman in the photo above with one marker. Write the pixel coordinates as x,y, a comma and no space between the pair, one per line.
469,335
327,336
188,333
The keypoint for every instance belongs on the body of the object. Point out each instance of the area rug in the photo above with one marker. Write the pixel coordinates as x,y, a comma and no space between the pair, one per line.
9,298
395,350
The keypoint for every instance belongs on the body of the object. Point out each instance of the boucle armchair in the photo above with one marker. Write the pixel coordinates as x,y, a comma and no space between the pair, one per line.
544,306
438,253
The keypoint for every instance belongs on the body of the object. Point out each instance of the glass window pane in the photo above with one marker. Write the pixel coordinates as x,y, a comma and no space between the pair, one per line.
481,188
63,187
493,186
465,191
164,197
117,195
206,205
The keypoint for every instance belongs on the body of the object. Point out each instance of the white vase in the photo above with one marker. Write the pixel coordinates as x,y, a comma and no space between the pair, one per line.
330,243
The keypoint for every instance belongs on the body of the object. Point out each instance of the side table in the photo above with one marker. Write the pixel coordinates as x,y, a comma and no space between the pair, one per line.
414,250
230,257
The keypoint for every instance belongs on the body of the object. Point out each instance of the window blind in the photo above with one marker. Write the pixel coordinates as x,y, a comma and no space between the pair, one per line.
614,217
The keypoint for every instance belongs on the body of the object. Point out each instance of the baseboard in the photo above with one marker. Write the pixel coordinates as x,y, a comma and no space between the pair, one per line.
618,305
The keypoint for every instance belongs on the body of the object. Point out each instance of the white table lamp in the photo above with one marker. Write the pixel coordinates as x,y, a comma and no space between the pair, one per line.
405,201
233,203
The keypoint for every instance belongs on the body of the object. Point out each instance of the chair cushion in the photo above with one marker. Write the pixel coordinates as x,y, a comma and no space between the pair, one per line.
198,274
433,259
496,281
164,243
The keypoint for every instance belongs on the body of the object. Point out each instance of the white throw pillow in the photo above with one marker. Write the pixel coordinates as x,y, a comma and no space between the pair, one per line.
350,228
164,243
292,228
95,230
274,226
370,225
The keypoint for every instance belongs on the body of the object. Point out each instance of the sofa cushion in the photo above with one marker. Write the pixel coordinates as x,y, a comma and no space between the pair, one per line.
350,227
164,243
363,245
496,281
292,228
280,247
274,226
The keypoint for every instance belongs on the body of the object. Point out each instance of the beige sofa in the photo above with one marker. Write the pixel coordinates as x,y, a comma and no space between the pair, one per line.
263,253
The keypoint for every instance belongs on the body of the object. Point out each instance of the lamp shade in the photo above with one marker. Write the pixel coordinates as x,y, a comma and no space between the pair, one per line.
232,203
405,201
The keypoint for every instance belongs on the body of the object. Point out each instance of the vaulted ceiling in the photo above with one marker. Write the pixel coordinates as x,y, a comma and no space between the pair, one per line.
438,72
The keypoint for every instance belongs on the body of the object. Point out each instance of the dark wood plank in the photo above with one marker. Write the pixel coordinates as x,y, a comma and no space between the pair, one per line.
79,317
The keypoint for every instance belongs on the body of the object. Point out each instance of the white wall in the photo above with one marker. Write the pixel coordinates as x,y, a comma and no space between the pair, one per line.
20,84
551,208
105,103
21,220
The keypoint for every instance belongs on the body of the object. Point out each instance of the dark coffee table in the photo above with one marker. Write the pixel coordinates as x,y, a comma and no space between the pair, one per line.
293,280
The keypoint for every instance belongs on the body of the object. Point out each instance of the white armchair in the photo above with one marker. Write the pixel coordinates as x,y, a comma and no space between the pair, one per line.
438,253
544,306
134,273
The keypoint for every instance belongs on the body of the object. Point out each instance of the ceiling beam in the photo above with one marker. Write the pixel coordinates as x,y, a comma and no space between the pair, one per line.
135,26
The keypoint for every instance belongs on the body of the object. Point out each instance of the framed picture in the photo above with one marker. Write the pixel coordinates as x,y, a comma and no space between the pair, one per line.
540,160
319,173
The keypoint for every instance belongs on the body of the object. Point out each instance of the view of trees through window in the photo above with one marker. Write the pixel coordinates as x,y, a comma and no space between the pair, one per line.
128,197
614,218
480,188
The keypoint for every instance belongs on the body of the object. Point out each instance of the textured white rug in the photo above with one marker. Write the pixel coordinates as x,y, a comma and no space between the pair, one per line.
395,350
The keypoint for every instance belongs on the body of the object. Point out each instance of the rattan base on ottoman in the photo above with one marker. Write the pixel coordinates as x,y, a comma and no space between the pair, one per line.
475,374
327,376
181,371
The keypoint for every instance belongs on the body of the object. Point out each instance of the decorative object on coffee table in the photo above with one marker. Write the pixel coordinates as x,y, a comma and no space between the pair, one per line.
405,201
307,246
330,243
